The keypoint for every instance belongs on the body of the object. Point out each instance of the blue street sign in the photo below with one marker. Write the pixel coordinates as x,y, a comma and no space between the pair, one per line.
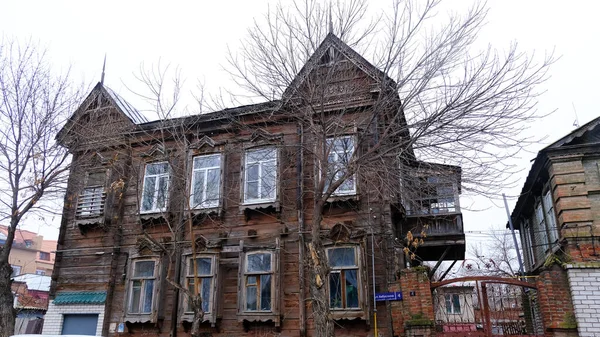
395,296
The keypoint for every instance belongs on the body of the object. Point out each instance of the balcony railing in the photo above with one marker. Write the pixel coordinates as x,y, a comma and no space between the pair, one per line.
91,202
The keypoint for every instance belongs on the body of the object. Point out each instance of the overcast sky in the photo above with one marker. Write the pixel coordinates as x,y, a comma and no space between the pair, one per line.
195,36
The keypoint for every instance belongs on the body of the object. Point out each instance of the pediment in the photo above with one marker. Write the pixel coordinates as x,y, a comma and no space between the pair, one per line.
204,141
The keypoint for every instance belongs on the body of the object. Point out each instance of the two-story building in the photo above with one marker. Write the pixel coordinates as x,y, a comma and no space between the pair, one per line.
225,204
558,218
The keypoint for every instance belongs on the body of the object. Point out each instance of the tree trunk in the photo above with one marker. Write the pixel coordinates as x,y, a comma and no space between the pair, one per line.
7,310
319,276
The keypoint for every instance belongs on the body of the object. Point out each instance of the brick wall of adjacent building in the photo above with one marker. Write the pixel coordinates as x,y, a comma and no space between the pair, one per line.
585,290
53,320
411,315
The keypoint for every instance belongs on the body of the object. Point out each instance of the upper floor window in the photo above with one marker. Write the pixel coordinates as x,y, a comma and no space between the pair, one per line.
258,281
16,270
341,150
344,289
452,303
91,200
550,217
28,243
203,271
142,283
40,272
156,187
45,256
260,180
206,181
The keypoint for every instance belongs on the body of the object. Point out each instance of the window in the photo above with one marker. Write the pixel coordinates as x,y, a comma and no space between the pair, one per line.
28,243
44,256
205,274
16,270
156,187
550,217
340,152
258,282
142,284
206,181
91,200
40,272
260,184
452,303
343,278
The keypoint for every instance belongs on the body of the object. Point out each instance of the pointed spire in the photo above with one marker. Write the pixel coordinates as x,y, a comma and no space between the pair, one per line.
103,69
330,20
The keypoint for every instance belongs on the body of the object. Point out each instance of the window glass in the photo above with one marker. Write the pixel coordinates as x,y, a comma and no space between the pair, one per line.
340,152
260,182
343,278
206,181
156,187
205,279
258,282
142,287
259,262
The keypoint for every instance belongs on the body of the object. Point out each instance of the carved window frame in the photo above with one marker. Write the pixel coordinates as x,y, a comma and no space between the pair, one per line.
220,167
158,275
261,167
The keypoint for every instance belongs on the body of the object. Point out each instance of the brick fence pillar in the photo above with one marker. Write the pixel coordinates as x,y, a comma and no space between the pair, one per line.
556,304
414,315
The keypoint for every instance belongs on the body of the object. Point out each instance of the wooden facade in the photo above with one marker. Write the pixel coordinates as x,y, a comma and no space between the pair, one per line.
131,225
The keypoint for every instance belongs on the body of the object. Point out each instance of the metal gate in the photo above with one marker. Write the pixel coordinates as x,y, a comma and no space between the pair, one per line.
486,306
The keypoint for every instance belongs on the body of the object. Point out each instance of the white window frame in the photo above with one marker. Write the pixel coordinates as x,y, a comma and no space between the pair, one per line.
342,271
189,277
551,224
204,203
143,279
157,177
261,175
258,274
339,171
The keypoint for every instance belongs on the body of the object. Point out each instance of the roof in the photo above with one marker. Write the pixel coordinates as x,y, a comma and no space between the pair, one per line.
82,297
132,113
35,282
21,235
331,40
540,160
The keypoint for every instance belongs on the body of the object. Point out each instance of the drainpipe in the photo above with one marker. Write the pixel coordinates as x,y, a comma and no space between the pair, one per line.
300,210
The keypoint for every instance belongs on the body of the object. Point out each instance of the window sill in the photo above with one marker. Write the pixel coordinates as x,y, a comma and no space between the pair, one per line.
259,317
342,197
140,318
339,314
259,205
189,317
153,215
89,220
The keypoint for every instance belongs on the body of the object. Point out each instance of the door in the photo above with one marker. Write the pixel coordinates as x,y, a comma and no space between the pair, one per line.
78,324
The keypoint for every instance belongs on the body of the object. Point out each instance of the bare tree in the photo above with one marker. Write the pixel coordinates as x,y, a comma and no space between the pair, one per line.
495,256
34,101
434,99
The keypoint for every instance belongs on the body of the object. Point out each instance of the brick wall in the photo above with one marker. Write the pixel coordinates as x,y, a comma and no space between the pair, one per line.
585,290
409,317
555,302
53,320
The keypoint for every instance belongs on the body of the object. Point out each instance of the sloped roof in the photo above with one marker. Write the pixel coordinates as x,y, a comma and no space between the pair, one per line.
540,159
358,60
81,297
35,282
132,113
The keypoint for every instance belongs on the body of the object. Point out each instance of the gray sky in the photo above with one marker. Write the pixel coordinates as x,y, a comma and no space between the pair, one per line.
195,35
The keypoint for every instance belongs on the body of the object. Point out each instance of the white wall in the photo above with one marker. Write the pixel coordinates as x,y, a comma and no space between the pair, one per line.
585,290
54,316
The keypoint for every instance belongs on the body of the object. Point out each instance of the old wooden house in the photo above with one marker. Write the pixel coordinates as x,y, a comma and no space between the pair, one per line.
224,203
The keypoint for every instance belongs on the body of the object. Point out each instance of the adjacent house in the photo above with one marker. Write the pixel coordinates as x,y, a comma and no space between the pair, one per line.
30,253
222,204
558,218
31,302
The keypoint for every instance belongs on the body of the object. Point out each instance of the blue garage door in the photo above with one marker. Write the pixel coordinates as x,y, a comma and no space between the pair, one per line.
75,324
